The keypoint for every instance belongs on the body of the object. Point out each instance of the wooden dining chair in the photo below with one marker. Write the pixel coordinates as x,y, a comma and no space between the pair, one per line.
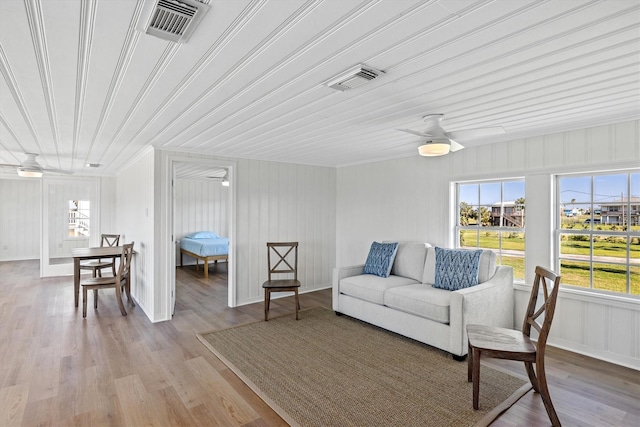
284,261
121,281
501,343
96,266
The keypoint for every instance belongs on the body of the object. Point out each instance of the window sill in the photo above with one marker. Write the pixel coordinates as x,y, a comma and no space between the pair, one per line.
566,292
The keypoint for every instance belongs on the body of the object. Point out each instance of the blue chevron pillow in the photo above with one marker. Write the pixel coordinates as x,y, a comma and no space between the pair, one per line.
380,259
456,268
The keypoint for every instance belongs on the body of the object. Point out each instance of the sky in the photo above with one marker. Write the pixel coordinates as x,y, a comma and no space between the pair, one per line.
606,188
490,192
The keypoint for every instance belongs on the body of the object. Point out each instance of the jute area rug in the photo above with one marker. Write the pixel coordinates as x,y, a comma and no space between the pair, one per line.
328,370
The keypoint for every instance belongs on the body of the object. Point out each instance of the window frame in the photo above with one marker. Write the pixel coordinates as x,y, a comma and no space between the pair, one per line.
501,229
592,231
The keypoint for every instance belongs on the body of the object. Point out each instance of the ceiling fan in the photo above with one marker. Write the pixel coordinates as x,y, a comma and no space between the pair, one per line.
224,179
30,168
439,142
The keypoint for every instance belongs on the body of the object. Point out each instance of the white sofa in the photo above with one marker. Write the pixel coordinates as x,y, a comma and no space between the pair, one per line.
406,303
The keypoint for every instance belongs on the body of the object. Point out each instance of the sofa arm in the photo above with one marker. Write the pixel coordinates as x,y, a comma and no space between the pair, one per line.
340,273
489,303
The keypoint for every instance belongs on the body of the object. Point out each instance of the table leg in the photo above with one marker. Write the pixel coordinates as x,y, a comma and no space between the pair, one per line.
76,279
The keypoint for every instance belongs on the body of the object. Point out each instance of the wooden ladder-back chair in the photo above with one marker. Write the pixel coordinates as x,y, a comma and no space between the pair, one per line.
510,344
281,264
122,280
97,265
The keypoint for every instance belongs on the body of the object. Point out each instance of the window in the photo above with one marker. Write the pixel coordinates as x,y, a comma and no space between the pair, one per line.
598,231
78,219
491,215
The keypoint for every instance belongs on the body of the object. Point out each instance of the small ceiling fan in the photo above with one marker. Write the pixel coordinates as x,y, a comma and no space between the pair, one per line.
30,168
439,142
224,179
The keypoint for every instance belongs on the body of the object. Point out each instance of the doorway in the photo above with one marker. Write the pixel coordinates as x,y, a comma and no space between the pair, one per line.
202,199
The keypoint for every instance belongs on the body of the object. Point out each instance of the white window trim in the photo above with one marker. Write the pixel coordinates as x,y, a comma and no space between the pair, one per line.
456,212
558,231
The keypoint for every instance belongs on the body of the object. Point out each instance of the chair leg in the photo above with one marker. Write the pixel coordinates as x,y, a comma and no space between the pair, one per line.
469,363
297,303
532,376
476,377
127,289
95,298
120,303
267,297
84,301
544,393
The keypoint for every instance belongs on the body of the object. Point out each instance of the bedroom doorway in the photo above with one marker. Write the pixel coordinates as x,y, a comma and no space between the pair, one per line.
203,203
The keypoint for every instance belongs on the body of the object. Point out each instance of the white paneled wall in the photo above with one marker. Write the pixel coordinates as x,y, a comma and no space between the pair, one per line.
200,205
135,222
410,199
19,219
108,205
284,202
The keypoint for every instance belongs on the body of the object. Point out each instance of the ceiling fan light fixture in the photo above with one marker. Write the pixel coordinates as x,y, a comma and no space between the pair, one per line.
434,148
29,173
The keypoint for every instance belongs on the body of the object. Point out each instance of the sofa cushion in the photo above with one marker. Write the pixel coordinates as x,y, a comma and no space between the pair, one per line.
371,288
486,266
421,300
409,260
380,259
456,268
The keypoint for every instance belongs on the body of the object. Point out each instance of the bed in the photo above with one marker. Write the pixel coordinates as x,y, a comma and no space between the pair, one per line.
205,246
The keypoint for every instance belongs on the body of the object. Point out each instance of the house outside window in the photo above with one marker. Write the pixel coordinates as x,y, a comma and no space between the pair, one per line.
492,215
598,247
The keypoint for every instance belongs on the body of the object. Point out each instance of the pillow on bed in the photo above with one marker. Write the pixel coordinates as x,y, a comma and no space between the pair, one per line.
202,235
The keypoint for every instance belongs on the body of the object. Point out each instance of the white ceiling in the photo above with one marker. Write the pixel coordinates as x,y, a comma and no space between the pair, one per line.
80,84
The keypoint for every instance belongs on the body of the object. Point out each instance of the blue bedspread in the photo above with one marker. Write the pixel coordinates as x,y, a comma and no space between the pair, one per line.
206,247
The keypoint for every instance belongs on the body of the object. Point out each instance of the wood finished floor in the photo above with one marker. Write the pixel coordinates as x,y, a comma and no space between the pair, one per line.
57,369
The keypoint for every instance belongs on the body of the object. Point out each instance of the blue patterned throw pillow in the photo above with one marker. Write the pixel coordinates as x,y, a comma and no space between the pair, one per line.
380,259
456,268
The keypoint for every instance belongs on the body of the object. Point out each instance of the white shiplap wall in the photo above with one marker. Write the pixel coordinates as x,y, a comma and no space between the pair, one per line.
19,219
200,205
284,202
135,221
410,199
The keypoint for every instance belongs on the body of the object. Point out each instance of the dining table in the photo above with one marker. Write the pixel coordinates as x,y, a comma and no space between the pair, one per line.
81,254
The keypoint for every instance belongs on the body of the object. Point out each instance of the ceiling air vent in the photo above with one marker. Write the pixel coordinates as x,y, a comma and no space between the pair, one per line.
174,20
357,76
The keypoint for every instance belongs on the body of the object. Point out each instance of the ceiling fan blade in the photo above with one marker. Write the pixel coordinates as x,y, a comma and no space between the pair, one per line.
415,132
475,133
6,165
455,146
56,171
